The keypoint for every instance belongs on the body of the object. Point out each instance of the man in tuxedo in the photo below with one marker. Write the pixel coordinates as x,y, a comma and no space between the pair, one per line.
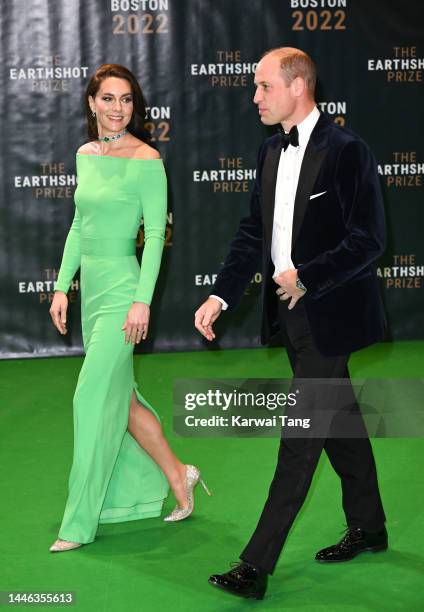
316,223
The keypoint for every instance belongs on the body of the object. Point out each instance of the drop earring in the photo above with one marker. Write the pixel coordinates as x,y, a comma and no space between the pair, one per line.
93,113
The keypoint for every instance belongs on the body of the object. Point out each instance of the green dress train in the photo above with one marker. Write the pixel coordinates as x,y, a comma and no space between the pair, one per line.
112,478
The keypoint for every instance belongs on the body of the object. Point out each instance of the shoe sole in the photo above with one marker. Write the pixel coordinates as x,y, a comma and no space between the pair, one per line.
222,588
59,550
373,549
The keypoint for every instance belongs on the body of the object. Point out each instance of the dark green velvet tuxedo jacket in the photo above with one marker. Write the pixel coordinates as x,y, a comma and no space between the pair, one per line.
336,238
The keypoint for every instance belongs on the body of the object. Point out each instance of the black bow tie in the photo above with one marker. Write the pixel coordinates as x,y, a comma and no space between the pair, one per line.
291,138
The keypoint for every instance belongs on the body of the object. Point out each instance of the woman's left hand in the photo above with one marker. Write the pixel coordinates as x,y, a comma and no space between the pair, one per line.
137,323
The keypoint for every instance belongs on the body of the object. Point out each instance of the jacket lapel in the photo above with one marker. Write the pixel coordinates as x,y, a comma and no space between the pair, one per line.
315,153
268,183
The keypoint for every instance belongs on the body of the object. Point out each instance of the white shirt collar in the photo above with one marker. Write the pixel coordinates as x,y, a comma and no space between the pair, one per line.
307,125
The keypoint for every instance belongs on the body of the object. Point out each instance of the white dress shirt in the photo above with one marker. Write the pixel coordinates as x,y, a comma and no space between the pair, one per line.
285,193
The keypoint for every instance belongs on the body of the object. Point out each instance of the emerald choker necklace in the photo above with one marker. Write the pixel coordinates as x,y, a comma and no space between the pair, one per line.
112,138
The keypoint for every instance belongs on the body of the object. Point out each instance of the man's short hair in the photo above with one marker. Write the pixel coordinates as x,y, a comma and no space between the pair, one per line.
296,63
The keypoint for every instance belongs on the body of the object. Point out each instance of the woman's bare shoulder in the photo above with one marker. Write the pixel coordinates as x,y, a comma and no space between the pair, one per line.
89,148
145,151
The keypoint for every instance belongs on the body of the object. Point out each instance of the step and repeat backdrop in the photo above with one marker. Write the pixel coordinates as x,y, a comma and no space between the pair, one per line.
195,60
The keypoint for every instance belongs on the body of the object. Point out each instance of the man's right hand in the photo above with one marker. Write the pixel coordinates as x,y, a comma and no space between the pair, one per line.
206,316
58,311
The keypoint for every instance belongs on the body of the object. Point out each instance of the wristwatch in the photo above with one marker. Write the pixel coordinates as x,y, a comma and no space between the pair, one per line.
300,285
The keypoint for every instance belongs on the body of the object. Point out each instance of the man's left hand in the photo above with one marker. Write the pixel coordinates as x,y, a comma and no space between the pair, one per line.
287,289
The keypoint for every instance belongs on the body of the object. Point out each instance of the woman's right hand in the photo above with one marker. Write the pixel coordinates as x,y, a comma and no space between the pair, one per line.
58,311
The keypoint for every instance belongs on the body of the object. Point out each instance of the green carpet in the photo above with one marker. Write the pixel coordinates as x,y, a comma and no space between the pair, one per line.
155,566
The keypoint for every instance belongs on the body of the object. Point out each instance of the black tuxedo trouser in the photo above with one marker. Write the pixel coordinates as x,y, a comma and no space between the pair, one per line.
352,458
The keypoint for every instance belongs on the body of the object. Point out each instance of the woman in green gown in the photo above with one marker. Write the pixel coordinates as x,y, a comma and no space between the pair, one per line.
122,462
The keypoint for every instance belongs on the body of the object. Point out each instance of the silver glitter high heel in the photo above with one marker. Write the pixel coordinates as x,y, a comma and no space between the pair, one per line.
193,477
63,546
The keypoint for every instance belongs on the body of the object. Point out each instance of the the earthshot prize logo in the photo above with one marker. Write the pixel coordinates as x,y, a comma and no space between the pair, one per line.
207,280
404,273
52,182
404,66
229,69
47,73
403,171
229,176
44,288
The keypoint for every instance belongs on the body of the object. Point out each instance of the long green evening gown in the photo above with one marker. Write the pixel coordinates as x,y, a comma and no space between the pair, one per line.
112,478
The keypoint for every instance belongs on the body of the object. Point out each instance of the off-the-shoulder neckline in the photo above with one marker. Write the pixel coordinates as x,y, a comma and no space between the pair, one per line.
156,159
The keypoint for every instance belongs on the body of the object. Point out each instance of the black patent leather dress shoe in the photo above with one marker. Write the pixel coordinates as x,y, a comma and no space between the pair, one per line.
355,541
243,580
